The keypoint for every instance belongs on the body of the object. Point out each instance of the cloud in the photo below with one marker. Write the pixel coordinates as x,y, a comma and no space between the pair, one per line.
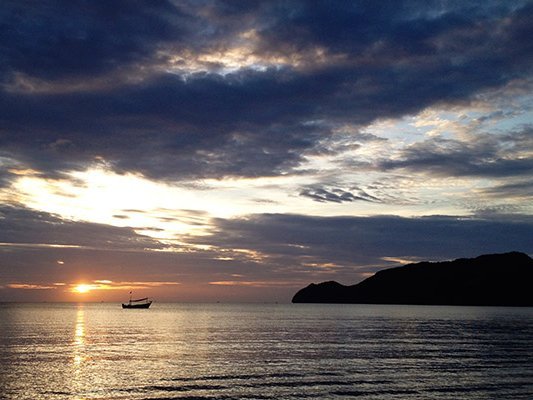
336,195
522,189
264,251
483,155
55,40
26,286
110,285
21,227
380,61
183,91
349,242
260,245
257,284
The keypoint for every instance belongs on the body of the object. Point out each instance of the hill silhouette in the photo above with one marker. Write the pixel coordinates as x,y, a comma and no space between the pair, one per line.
488,280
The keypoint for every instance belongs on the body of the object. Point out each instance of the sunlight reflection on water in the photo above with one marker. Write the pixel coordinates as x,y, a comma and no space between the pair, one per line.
79,338
99,351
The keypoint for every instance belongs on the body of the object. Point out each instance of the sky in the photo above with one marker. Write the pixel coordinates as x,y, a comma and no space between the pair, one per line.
229,151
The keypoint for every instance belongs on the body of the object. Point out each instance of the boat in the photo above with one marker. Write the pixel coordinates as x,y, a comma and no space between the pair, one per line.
145,302
138,303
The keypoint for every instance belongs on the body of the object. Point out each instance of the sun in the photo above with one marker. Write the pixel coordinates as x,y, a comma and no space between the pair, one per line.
82,288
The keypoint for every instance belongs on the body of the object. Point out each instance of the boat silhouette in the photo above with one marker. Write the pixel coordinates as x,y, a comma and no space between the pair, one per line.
145,302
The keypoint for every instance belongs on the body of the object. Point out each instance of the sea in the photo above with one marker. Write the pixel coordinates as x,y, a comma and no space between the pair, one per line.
264,351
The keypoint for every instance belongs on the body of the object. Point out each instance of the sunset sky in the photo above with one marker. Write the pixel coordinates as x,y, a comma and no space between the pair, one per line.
238,151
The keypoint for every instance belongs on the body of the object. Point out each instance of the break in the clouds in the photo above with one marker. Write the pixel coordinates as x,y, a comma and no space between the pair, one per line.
259,144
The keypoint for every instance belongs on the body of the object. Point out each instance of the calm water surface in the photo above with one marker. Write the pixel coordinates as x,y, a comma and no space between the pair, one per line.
285,351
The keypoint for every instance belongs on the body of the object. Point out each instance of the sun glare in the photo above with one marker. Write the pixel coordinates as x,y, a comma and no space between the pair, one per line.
82,288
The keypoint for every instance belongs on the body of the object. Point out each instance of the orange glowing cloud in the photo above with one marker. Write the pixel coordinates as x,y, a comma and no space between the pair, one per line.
105,284
32,286
85,287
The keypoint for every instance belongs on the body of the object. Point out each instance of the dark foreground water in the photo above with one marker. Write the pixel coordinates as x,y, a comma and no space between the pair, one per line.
216,351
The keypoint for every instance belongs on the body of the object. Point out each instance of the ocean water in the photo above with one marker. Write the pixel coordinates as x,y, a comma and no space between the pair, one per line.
265,351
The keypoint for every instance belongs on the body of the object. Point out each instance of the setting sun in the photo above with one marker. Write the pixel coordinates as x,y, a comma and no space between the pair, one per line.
82,288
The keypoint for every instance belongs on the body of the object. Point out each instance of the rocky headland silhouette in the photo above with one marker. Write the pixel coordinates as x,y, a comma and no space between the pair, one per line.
488,280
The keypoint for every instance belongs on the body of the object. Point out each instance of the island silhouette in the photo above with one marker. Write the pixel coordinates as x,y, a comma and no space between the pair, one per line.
488,280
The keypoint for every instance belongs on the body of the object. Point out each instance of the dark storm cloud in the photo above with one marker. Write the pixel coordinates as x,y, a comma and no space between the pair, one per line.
58,39
5,178
350,241
406,28
482,156
336,195
381,59
168,126
518,189
25,227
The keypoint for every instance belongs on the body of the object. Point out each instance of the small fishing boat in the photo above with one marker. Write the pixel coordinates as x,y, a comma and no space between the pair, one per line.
137,303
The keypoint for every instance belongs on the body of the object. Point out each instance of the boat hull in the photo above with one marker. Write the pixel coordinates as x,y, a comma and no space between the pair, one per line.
144,305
